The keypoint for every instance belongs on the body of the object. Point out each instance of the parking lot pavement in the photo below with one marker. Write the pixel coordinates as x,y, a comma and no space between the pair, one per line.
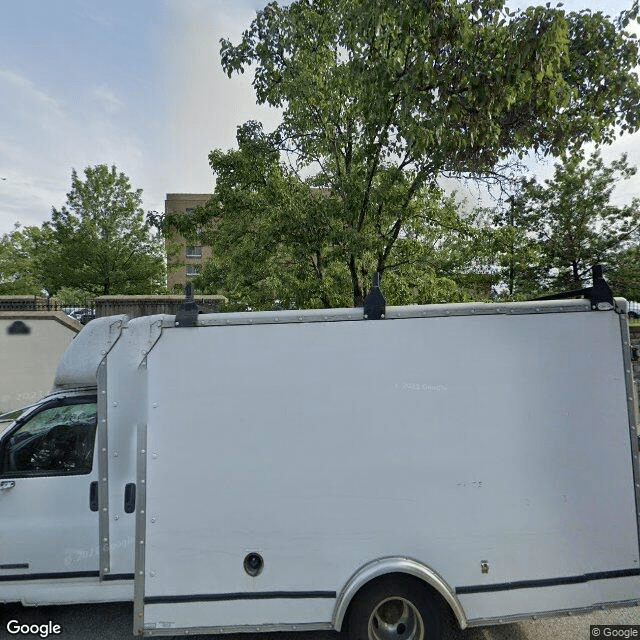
114,622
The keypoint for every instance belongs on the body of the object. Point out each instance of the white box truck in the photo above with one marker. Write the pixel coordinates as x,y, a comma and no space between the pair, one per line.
332,469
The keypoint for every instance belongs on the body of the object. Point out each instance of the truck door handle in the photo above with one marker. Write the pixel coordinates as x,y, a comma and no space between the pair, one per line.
7,484
130,498
93,496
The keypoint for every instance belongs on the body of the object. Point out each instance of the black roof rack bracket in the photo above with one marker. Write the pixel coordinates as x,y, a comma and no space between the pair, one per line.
374,303
187,315
599,293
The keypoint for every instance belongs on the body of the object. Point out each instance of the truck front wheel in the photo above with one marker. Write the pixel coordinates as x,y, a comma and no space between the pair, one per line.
394,608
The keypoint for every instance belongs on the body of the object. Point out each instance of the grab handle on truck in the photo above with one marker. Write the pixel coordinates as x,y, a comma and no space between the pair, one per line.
93,496
130,498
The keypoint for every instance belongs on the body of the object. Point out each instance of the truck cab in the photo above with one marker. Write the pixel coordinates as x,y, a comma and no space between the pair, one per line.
49,486
48,468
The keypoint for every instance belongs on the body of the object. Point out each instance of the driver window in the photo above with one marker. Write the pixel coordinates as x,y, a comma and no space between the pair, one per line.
56,441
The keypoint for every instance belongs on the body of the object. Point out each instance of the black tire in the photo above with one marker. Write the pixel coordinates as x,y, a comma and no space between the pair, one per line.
394,608
634,315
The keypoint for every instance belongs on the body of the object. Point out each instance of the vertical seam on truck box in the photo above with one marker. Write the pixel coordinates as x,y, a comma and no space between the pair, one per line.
632,411
103,471
140,534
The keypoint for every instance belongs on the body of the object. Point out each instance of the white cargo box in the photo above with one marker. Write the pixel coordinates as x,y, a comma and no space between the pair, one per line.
489,450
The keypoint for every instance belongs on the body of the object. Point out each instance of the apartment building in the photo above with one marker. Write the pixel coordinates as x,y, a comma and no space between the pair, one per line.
190,257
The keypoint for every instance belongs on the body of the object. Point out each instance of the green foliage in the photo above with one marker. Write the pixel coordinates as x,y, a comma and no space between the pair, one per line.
386,98
69,297
516,254
18,274
280,241
624,273
99,242
444,86
551,234
577,225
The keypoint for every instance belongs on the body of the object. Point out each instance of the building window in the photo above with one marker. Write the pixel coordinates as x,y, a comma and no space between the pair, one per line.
193,269
194,252
189,209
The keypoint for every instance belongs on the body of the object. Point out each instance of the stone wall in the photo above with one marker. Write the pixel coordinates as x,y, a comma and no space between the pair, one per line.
135,306
28,303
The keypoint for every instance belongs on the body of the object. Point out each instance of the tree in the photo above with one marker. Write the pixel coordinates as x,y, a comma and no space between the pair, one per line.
574,221
17,273
624,273
388,97
516,257
278,241
99,241
548,236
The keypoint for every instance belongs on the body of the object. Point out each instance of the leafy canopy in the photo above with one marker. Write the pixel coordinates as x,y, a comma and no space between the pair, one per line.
280,242
18,275
386,98
99,241
441,86
577,225
552,233
624,273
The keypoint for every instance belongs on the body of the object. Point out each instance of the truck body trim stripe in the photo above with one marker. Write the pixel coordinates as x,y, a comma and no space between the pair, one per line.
549,582
118,576
219,597
63,575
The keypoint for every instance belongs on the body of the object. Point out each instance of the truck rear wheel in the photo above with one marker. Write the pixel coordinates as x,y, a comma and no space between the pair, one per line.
394,608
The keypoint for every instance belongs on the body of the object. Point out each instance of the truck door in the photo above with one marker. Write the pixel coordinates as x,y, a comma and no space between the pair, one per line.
48,493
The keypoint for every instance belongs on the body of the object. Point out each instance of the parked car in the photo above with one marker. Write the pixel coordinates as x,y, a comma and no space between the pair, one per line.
81,314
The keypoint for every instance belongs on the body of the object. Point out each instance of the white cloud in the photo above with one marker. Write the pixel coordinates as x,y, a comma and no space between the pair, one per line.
204,106
28,89
106,99
101,19
40,142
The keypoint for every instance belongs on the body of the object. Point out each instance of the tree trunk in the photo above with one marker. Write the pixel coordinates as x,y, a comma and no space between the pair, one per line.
358,294
577,283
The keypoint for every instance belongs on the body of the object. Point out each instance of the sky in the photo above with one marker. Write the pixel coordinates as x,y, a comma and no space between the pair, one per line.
138,84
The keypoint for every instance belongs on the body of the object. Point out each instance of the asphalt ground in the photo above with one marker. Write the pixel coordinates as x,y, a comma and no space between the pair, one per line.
114,622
